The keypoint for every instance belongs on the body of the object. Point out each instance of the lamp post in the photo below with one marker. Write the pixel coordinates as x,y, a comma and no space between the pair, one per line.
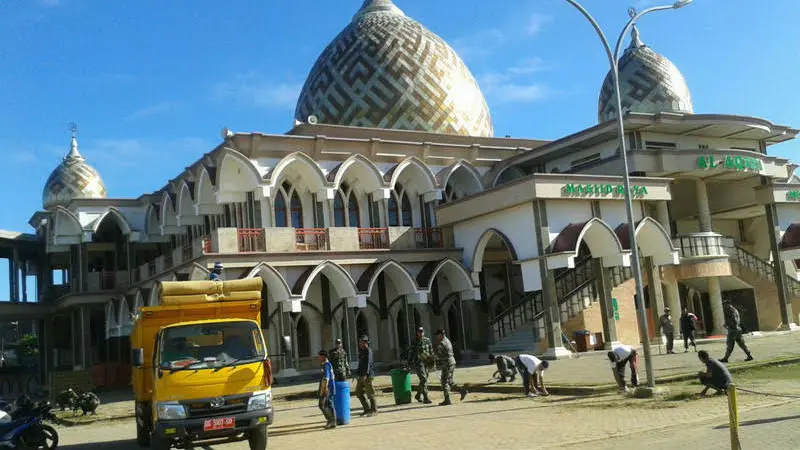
613,60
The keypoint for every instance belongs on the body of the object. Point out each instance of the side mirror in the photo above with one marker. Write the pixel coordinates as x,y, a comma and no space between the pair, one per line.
286,342
137,357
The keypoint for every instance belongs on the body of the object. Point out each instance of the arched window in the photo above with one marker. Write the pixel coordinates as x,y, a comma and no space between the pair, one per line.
402,329
353,215
454,323
280,210
297,211
406,210
339,216
394,212
303,338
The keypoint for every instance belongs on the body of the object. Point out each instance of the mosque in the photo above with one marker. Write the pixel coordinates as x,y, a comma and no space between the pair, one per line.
390,205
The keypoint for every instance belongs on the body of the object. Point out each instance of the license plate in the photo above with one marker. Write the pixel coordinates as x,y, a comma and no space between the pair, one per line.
224,423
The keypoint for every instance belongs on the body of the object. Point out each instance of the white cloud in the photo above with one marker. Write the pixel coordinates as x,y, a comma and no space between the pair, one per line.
158,108
256,90
479,44
141,152
24,157
512,84
536,22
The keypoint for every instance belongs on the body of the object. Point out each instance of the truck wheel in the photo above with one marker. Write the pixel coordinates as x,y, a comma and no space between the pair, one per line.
257,438
159,443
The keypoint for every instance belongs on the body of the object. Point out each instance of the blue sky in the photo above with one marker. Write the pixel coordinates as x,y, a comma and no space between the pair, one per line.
151,83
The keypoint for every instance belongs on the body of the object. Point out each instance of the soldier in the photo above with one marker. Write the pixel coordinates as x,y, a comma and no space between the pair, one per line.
339,360
733,322
666,326
506,369
447,362
366,372
420,359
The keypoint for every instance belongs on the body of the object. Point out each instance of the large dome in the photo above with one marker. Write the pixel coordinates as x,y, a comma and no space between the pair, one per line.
72,179
648,82
386,70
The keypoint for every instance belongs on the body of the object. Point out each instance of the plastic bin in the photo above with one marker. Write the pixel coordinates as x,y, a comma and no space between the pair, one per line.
401,386
341,402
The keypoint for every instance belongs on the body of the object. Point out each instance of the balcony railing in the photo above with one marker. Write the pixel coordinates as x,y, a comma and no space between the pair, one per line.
310,239
251,240
428,237
705,245
373,238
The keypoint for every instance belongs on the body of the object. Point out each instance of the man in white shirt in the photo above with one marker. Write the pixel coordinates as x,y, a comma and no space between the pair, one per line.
620,356
532,369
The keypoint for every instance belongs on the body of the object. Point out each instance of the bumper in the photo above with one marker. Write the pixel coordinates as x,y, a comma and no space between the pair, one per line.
192,429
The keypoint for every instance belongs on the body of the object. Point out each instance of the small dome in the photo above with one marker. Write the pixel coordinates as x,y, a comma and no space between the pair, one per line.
385,70
648,83
72,179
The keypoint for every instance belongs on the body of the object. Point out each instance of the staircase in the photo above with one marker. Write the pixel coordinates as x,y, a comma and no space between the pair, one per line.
522,325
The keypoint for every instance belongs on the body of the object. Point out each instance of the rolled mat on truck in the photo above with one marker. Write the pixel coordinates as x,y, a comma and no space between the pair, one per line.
178,292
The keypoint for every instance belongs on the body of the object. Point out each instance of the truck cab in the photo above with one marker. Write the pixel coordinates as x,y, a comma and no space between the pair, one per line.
201,371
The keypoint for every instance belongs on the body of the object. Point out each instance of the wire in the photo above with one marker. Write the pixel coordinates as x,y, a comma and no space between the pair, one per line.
767,394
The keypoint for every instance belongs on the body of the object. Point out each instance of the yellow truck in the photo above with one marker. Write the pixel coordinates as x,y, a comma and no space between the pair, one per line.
200,367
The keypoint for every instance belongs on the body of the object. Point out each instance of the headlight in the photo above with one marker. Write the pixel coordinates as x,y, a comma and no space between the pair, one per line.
259,400
171,411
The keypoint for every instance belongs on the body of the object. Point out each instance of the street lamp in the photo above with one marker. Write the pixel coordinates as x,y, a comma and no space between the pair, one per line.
613,60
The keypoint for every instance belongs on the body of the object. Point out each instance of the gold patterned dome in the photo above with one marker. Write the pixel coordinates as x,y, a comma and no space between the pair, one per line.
385,70
648,82
72,179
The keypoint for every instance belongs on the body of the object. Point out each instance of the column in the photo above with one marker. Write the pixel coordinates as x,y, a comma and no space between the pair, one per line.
14,266
784,300
351,339
11,279
74,338
464,330
673,297
662,215
703,210
717,314
654,284
552,315
86,359
24,281
604,287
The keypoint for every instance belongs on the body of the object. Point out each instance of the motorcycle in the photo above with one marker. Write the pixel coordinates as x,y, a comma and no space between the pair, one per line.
26,429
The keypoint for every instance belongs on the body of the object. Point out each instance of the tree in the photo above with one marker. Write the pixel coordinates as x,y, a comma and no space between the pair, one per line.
28,345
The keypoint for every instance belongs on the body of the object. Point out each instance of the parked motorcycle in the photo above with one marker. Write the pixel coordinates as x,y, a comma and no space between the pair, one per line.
27,431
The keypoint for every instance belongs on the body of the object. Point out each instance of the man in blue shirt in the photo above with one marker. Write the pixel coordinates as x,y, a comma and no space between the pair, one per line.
216,272
716,376
327,389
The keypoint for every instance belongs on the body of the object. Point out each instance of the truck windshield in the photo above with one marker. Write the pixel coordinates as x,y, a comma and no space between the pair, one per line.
211,346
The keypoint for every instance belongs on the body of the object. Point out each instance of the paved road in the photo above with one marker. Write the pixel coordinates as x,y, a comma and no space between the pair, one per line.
502,421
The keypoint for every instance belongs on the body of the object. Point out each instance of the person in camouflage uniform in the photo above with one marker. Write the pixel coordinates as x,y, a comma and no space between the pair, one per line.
420,359
445,359
339,360
506,368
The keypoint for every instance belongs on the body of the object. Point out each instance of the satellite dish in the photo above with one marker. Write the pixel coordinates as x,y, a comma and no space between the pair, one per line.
226,133
312,119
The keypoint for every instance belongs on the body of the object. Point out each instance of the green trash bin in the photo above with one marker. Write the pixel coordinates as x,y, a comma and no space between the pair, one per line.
401,386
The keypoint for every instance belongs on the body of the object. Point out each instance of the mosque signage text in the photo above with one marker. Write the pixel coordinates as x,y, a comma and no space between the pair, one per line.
735,163
601,190
793,196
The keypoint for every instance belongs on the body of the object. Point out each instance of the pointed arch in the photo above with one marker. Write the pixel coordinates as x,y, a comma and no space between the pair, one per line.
277,287
457,276
296,210
369,177
138,302
236,172
205,192
596,233
113,213
124,319
653,241
424,180
112,326
483,241
471,178
340,278
153,219
339,210
403,282
184,209
66,224
353,210
310,172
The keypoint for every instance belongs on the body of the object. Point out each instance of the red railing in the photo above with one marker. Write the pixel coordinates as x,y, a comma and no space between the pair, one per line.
251,240
373,238
207,244
428,237
311,238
